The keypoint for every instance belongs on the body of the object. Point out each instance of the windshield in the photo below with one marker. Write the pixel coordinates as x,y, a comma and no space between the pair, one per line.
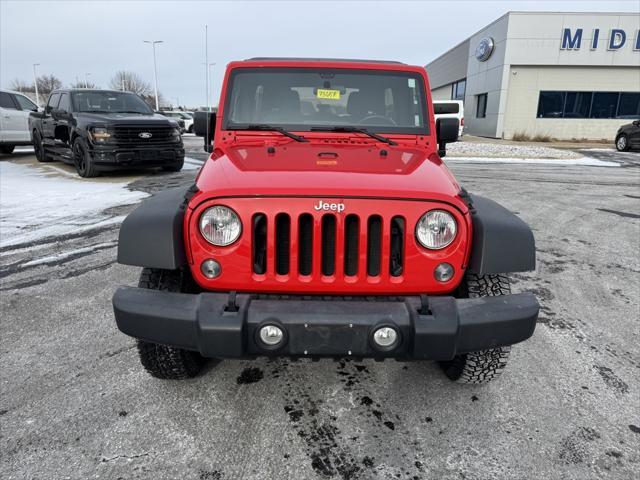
304,99
95,101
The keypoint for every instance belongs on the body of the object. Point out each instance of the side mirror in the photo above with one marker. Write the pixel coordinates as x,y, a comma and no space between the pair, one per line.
57,113
446,132
204,125
48,109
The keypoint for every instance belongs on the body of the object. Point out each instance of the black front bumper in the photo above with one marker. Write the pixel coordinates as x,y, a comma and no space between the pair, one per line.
219,325
118,157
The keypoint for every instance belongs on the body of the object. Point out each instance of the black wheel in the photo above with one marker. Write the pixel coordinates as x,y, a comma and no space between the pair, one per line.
82,160
485,365
7,149
176,167
163,361
38,148
622,143
190,130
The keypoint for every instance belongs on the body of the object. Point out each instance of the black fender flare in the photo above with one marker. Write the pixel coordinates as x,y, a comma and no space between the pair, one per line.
152,235
502,242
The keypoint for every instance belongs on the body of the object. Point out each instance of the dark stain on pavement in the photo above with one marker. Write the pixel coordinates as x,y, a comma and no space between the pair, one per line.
619,213
573,449
250,375
611,379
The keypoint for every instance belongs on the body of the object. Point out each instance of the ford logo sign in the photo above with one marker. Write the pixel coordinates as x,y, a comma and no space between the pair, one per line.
145,135
484,49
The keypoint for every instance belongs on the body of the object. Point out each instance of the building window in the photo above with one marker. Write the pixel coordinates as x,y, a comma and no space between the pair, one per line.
557,104
551,104
458,89
577,104
604,105
629,106
481,105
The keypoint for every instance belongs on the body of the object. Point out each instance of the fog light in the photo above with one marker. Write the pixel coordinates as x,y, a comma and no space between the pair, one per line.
443,272
271,335
385,337
210,268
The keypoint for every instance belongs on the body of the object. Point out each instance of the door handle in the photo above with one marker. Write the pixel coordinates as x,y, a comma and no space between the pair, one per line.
7,116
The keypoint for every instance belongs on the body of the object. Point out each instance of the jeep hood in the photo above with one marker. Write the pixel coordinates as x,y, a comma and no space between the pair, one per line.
327,170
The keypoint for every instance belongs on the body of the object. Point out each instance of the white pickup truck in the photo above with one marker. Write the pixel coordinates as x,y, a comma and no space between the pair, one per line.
14,120
450,109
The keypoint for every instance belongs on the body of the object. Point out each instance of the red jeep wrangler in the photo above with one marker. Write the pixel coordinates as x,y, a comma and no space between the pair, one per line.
325,224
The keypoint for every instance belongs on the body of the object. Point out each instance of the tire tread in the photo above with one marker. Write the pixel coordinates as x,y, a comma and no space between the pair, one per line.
164,361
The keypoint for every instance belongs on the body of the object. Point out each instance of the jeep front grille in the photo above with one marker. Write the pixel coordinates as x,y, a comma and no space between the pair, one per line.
313,244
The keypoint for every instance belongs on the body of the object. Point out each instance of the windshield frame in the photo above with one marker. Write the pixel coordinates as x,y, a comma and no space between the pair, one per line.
381,129
109,92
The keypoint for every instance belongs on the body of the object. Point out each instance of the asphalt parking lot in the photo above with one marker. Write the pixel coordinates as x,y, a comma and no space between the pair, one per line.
75,402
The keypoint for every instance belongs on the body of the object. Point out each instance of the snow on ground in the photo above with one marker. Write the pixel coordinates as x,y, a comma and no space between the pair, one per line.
473,149
583,161
35,204
192,163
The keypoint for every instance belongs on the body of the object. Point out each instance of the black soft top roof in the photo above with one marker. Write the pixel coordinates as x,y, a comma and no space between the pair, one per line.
301,59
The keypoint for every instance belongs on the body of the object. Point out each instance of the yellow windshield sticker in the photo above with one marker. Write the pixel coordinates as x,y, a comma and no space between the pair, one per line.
328,94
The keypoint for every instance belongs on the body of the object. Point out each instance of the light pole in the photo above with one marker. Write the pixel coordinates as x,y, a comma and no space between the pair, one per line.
155,68
206,64
86,80
35,83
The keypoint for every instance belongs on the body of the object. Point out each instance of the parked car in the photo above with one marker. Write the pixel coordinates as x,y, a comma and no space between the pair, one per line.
178,120
628,136
14,120
103,130
450,109
184,117
325,235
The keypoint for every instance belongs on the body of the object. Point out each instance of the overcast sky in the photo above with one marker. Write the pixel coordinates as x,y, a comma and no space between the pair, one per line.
71,38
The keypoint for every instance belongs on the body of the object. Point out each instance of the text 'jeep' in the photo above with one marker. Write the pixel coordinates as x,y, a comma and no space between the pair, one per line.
325,224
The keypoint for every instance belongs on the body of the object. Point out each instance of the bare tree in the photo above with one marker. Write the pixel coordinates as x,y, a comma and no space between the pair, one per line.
131,82
79,84
19,85
48,83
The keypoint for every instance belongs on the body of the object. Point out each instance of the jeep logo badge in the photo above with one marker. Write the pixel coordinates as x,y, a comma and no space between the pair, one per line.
145,135
334,207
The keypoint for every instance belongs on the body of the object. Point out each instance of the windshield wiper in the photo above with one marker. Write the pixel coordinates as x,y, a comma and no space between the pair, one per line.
265,127
380,138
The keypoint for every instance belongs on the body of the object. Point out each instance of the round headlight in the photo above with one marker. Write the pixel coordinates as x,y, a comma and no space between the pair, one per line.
220,226
436,229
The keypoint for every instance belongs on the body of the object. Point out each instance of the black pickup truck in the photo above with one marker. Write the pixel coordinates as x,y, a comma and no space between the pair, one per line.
104,130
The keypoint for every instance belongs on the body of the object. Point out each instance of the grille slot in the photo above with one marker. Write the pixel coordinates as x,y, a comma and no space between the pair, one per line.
283,243
351,233
305,244
328,245
374,245
396,257
260,243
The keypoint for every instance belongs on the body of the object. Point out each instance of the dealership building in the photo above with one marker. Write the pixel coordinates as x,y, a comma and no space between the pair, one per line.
562,75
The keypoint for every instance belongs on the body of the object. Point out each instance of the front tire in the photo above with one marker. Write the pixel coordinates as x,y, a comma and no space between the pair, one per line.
82,160
622,143
163,361
38,148
485,365
7,149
